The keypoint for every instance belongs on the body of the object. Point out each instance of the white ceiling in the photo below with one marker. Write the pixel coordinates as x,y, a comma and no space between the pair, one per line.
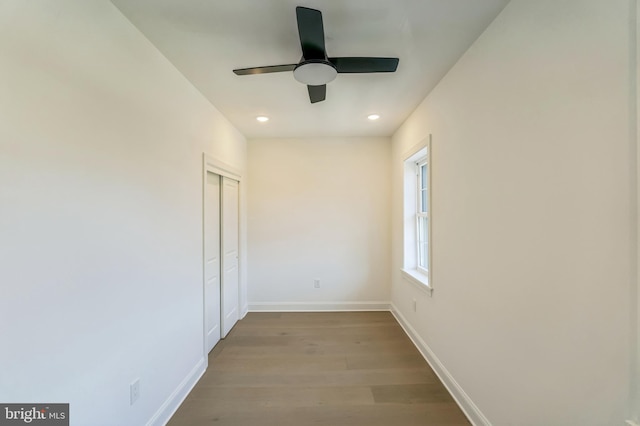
207,39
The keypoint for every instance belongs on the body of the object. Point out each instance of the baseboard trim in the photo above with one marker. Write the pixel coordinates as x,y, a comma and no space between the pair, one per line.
318,306
177,397
244,311
468,407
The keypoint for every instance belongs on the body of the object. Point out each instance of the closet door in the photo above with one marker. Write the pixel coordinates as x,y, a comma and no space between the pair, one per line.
212,260
230,252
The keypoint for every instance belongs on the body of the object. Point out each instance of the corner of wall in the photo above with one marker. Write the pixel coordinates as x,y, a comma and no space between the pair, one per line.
468,407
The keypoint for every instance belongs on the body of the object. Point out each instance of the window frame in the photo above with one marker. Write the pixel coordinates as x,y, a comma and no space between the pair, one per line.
412,270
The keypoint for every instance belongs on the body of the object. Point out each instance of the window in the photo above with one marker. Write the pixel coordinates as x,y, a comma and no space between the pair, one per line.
417,216
422,216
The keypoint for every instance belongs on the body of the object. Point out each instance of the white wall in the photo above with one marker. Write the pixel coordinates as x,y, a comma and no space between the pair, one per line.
532,216
318,209
101,143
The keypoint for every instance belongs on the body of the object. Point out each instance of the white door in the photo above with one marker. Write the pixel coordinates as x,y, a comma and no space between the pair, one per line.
230,270
212,260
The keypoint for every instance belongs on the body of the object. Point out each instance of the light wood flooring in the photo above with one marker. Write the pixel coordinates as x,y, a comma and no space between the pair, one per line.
334,369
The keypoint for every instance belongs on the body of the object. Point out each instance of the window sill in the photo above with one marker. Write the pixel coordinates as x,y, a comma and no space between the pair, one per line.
418,279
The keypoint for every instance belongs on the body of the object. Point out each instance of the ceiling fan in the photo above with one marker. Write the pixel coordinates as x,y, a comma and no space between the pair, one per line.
316,69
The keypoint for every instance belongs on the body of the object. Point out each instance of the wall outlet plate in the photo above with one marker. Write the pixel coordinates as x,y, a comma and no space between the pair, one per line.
134,391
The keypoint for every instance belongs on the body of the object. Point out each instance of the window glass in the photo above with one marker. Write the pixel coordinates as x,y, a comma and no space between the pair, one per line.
423,242
422,216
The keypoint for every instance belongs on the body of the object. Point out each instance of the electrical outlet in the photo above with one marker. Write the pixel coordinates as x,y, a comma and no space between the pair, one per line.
134,391
316,283
415,305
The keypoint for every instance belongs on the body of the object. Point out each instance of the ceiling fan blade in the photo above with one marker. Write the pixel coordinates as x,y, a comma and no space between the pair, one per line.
311,32
317,93
364,65
265,70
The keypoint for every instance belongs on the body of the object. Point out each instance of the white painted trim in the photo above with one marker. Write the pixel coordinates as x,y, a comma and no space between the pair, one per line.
430,201
318,306
417,147
421,281
468,407
634,138
244,311
177,397
631,423
221,168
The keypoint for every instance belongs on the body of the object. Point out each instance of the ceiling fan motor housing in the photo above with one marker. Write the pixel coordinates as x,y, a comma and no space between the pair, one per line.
315,72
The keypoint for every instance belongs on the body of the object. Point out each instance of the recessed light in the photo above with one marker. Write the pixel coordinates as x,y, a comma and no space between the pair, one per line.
373,117
262,118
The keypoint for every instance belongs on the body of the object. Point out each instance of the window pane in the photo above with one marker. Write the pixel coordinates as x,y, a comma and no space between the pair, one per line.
423,242
423,201
423,230
423,255
422,191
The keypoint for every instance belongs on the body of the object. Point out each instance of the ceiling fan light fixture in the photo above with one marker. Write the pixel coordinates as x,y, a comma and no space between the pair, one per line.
315,72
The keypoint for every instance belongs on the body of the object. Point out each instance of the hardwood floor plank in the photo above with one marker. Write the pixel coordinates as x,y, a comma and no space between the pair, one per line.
400,415
283,364
318,368
316,339
346,317
346,348
396,376
411,393
384,330
379,361
283,396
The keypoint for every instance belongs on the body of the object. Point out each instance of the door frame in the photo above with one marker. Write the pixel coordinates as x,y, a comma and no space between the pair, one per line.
211,164
634,143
